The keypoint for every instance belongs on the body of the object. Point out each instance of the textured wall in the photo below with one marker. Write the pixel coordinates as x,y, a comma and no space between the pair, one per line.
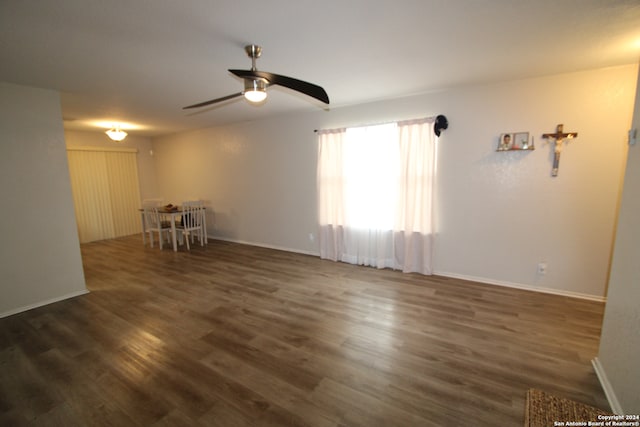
620,341
498,214
40,256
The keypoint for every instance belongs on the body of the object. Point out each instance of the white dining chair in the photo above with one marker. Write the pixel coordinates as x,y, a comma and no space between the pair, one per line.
192,222
147,204
198,203
154,223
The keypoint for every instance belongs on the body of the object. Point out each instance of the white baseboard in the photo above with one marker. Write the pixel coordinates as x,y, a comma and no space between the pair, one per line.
606,386
41,303
445,274
523,286
263,245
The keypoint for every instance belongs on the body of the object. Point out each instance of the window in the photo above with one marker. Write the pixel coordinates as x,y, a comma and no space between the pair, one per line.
371,171
375,189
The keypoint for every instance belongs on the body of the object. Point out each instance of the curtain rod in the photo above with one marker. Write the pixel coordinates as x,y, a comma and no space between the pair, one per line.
439,120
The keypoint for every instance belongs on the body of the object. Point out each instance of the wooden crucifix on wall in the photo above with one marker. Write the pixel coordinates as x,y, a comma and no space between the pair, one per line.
559,137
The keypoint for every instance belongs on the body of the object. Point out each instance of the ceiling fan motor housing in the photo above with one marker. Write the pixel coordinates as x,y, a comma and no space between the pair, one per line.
255,84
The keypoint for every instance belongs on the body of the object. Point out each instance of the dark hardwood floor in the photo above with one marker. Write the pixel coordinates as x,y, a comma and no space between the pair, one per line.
234,335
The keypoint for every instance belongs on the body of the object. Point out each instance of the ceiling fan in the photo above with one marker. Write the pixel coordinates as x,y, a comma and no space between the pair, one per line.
256,83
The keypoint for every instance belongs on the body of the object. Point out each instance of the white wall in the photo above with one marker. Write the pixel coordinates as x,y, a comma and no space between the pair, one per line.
258,178
502,213
498,214
618,358
40,256
146,165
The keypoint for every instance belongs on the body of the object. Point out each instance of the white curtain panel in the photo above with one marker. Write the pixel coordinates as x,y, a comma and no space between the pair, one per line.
331,201
414,211
106,193
375,195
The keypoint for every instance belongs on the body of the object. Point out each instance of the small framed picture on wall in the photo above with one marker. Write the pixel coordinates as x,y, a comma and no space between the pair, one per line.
521,141
515,141
506,142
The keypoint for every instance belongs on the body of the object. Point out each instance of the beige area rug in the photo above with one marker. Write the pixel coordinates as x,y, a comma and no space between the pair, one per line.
544,409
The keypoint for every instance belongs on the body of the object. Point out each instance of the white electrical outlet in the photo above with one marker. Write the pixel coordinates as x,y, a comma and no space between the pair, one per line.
312,238
542,268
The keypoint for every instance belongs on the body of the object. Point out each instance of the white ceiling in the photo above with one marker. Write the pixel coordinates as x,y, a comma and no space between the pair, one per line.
139,62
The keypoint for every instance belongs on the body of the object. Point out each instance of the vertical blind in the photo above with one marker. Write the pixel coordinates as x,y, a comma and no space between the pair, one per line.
106,192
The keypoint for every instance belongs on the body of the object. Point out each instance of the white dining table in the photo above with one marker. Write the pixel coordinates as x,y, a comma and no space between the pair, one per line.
173,215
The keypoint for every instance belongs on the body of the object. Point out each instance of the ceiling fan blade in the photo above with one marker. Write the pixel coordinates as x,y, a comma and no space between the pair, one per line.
307,88
213,101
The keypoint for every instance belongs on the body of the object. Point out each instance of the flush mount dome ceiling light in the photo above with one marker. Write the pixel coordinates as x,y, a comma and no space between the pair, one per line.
116,134
256,83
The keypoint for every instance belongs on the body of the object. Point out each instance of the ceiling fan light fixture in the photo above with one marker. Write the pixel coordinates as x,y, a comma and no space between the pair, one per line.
255,90
256,83
116,134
